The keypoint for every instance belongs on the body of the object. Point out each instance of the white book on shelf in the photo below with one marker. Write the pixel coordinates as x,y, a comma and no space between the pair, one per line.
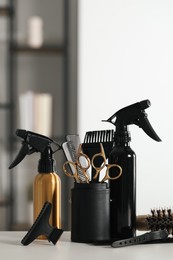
43,113
26,108
35,111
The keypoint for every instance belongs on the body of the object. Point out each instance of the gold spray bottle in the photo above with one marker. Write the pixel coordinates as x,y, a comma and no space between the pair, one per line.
47,184
47,187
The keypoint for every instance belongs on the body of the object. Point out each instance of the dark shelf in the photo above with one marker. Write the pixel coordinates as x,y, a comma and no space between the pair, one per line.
4,202
21,226
5,106
5,10
45,49
10,11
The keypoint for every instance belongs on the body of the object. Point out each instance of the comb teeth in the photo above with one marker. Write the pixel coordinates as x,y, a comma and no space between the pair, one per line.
161,219
99,136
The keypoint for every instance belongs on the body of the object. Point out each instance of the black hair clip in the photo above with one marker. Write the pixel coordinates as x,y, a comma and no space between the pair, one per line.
41,226
150,237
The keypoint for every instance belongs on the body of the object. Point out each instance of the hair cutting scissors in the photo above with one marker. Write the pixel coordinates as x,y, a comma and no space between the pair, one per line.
80,166
98,169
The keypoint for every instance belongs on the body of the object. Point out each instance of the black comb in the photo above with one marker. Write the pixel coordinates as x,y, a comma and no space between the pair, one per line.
101,136
91,145
41,226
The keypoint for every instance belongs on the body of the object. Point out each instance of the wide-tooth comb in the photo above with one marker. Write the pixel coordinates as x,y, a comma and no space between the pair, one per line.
158,219
41,226
101,136
91,145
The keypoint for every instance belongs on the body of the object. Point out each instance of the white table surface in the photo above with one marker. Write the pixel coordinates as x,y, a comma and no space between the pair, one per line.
11,248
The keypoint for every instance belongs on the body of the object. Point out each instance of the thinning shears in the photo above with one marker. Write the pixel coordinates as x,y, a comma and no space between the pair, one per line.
81,165
103,164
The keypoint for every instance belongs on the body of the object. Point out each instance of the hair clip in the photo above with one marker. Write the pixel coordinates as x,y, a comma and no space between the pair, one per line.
41,226
153,236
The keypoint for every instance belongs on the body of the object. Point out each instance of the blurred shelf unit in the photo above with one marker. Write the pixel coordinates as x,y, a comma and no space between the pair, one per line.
5,10
4,202
49,49
6,108
15,49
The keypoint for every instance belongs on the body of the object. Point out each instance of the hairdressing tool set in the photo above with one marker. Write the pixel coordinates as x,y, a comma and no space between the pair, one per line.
47,184
103,207
83,162
91,197
113,146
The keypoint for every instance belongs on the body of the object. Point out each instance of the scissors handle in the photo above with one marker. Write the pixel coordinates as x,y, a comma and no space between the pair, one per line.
96,174
107,176
101,158
83,162
74,173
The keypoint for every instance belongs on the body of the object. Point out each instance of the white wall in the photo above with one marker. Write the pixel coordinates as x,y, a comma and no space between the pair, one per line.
125,56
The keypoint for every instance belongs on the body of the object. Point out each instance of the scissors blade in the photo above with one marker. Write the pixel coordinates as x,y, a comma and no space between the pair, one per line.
75,139
68,155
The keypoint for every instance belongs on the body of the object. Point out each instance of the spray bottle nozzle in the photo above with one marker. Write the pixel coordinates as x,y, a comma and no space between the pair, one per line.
33,142
21,133
145,104
134,114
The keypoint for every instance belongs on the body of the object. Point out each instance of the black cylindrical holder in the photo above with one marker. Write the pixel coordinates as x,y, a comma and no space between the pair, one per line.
90,213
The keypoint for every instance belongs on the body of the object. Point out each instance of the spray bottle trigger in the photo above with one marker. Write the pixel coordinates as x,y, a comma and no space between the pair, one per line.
134,114
21,155
144,123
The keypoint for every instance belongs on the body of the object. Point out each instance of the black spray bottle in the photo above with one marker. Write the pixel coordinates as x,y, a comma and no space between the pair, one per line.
47,184
123,190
